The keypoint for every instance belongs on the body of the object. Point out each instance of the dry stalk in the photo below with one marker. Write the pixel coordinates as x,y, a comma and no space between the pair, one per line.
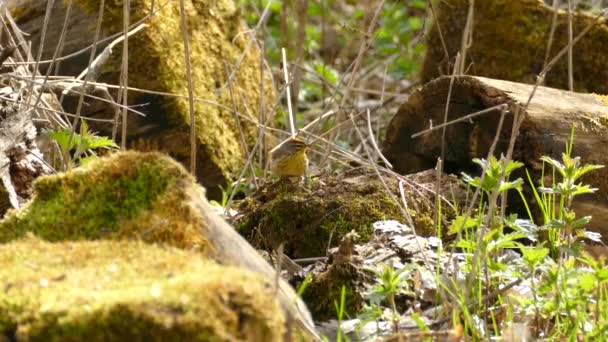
302,8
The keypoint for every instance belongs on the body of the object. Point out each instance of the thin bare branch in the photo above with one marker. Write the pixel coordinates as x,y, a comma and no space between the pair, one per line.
373,140
464,118
124,70
86,79
570,46
292,126
302,15
551,32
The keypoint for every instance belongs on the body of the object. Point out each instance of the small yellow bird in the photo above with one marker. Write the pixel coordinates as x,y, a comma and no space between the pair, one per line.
289,159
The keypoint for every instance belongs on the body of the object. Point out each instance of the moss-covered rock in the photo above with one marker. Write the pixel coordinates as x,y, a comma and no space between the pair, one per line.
305,219
129,291
510,40
129,195
157,63
325,290
145,197
337,280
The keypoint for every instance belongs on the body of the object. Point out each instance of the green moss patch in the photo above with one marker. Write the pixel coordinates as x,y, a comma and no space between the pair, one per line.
128,195
305,219
129,291
325,291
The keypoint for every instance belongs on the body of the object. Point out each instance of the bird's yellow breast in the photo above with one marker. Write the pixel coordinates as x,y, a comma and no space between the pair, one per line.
294,165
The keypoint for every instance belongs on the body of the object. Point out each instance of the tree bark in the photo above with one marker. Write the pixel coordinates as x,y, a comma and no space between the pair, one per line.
545,131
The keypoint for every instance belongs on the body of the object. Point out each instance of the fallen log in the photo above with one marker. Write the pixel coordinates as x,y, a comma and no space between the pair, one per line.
545,131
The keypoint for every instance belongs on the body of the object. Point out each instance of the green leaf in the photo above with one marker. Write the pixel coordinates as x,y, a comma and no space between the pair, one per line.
586,281
415,23
304,285
506,241
557,165
586,169
559,224
581,222
275,6
330,74
314,9
580,189
419,322
99,142
82,142
602,274
534,255
62,137
419,4
466,244
470,180
358,14
464,222
527,227
481,162
512,166
515,184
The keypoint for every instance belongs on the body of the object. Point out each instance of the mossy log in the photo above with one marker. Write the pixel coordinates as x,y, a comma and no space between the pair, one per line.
509,42
143,196
308,220
545,131
157,63
129,291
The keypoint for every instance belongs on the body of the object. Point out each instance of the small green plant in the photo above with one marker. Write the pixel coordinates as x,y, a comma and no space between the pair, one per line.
533,257
80,143
340,315
227,191
572,298
482,239
389,282
565,291
304,285
567,301
560,226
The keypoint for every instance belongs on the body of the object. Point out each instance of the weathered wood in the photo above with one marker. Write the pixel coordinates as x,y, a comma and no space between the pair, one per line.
509,41
20,160
29,15
545,131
